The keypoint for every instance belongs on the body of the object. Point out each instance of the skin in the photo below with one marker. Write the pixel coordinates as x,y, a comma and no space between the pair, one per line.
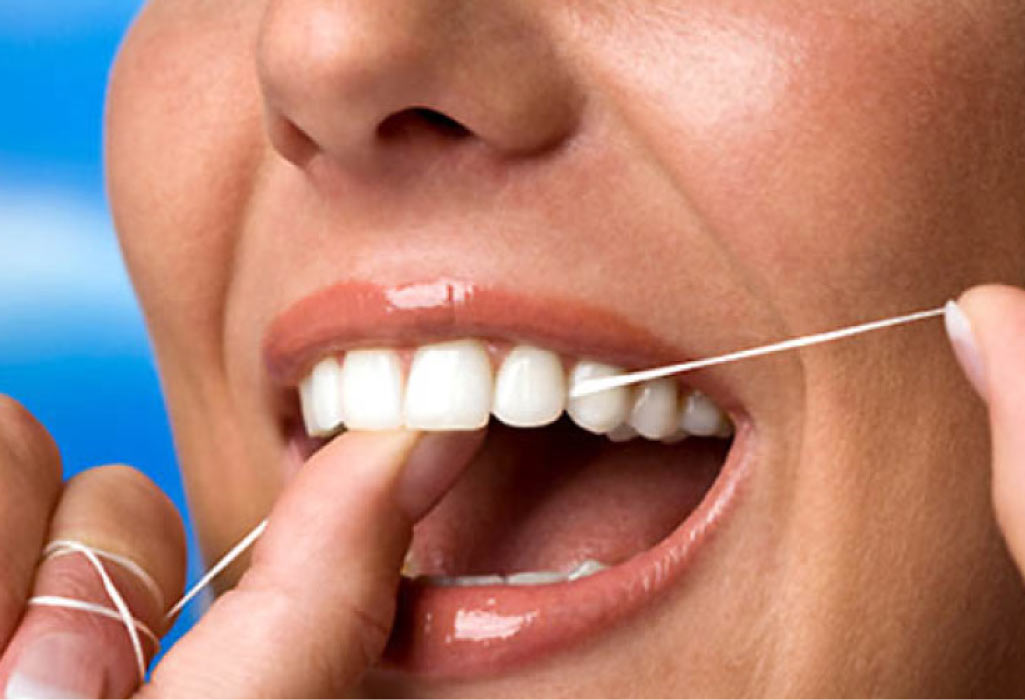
817,163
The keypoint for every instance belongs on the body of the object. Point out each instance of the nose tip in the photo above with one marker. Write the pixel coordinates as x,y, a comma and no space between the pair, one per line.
344,77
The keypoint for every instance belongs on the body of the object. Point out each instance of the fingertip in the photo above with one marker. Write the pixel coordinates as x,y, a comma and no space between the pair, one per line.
26,445
346,491
363,457
432,467
410,469
993,305
966,346
989,337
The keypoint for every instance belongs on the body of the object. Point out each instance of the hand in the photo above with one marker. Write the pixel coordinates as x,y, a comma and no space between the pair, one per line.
989,341
322,578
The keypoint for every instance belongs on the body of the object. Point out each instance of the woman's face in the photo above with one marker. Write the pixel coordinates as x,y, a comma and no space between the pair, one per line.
633,181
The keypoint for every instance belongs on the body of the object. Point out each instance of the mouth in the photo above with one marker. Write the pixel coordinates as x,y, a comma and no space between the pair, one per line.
574,513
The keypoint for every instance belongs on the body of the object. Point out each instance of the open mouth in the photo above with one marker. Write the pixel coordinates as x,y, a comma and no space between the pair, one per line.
573,512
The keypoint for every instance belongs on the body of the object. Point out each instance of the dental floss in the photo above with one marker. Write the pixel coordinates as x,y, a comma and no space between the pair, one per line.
121,611
599,384
584,388
59,601
60,548
224,562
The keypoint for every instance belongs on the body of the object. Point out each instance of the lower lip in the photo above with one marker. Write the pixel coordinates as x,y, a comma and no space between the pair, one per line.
460,633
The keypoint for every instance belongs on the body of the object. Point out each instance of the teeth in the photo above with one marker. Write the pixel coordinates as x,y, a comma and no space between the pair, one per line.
409,566
372,390
450,387
598,413
464,581
523,578
306,399
535,578
588,567
321,398
654,414
623,433
530,390
701,417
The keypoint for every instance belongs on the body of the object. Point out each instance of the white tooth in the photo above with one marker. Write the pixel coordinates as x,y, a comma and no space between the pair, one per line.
601,412
372,390
588,567
306,400
622,433
321,398
530,390
409,565
449,387
464,581
488,580
700,416
655,409
534,578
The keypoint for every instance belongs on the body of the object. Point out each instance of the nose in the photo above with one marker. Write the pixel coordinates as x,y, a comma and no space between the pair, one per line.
345,78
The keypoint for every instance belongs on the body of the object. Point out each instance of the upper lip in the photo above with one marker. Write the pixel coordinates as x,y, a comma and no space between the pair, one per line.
356,313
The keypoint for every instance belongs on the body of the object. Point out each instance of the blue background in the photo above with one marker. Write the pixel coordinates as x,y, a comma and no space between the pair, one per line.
73,348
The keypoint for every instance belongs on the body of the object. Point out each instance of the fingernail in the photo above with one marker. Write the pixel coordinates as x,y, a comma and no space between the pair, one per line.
966,349
56,666
432,467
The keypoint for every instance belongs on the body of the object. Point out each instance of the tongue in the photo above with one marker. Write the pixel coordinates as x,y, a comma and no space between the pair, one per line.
548,499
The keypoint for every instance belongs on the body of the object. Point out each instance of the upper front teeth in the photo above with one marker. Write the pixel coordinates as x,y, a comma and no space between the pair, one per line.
451,386
530,389
372,390
321,395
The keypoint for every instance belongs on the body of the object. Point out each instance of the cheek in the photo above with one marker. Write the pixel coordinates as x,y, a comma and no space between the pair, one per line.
183,142
838,155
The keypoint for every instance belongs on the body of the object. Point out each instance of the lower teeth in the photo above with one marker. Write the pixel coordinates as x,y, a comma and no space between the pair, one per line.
534,578
586,568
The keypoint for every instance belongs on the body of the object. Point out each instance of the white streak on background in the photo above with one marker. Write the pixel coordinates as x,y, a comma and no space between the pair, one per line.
61,274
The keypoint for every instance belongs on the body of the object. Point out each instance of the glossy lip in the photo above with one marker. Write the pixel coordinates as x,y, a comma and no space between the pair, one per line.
472,631
356,314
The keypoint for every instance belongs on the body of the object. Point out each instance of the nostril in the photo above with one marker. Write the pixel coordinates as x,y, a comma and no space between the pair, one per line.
289,139
419,120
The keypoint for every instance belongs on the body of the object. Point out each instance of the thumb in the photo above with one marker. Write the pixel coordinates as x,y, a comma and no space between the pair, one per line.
987,329
315,609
